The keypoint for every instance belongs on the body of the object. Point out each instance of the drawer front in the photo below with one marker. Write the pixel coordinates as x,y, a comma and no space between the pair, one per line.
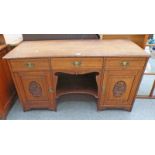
124,63
30,64
76,63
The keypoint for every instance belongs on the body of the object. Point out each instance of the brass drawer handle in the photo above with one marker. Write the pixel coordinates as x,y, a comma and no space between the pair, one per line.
30,65
124,64
77,63
50,90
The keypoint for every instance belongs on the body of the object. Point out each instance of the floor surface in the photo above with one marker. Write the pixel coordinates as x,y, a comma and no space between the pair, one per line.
83,107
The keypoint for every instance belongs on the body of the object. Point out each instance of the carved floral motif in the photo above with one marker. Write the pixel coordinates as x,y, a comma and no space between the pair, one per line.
119,89
35,89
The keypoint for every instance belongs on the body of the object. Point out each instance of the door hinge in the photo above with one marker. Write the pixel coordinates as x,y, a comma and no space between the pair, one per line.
50,90
103,89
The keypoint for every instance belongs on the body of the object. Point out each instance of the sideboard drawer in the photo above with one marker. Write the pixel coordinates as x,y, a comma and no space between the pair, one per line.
76,63
124,63
30,64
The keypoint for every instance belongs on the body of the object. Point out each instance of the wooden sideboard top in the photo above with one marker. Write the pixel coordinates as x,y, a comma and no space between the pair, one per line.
76,48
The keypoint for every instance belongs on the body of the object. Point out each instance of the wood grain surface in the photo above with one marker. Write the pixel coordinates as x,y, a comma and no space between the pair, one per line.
76,48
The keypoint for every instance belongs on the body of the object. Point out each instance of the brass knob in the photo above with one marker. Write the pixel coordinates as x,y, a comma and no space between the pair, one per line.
124,63
30,65
77,63
50,90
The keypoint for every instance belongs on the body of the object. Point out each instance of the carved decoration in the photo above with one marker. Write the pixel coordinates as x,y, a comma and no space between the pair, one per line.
119,89
35,89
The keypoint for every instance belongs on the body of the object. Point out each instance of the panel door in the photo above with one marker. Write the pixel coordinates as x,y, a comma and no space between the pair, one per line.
119,88
35,89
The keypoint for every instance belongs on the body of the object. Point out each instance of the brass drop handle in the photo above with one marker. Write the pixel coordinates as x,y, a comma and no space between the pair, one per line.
77,63
124,64
30,65
50,90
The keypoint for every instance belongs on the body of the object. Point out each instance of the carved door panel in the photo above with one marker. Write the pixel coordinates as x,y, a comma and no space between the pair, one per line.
35,89
119,87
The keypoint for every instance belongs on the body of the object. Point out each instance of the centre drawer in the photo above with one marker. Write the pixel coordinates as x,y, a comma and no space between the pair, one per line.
124,63
76,63
30,64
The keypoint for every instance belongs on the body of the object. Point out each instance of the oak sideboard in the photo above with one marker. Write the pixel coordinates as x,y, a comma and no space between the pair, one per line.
110,70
